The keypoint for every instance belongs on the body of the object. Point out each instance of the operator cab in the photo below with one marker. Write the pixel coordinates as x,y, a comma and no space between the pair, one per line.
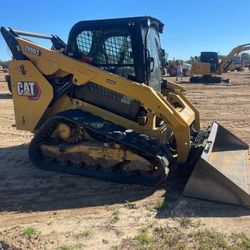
212,58
129,47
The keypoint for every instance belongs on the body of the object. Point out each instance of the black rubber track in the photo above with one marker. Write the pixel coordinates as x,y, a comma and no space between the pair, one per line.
141,144
206,79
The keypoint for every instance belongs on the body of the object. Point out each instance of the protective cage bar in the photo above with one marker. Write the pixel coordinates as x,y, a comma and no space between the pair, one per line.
31,34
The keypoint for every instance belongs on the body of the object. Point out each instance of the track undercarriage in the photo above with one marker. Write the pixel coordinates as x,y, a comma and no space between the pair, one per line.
78,142
207,79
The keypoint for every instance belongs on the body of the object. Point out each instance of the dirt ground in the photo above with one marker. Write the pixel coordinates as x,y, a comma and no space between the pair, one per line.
46,210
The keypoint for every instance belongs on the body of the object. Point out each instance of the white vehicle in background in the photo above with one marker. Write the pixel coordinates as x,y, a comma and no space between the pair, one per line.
172,68
186,69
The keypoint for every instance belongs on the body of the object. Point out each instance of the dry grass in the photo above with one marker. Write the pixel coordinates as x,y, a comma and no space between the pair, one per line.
185,236
30,231
83,234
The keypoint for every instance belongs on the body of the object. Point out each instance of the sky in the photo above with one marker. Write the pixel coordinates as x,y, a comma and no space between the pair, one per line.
191,26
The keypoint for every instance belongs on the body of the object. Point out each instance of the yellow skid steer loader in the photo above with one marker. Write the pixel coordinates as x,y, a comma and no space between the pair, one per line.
99,107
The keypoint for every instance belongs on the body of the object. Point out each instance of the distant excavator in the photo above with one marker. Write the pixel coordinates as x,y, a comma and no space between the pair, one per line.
210,67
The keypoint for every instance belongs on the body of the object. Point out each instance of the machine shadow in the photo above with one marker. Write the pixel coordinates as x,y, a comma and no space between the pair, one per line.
24,188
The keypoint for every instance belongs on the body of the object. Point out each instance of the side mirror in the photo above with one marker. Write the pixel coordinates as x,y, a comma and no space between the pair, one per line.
130,54
163,53
151,63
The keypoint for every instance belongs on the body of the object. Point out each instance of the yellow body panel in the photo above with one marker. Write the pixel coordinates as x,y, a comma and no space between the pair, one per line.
200,68
31,92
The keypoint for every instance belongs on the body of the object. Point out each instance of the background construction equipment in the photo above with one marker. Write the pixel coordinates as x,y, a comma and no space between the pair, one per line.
210,67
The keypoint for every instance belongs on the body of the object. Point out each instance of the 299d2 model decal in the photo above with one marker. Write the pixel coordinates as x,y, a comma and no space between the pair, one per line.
32,50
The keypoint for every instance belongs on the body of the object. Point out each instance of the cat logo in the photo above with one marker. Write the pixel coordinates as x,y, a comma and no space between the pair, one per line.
29,89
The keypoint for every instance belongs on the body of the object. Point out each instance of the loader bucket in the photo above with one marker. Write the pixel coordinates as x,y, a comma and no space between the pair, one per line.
222,172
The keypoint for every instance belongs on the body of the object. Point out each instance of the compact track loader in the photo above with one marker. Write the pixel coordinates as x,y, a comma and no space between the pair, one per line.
98,107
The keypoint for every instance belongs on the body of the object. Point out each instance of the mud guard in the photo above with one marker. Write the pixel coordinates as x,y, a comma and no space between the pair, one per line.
222,173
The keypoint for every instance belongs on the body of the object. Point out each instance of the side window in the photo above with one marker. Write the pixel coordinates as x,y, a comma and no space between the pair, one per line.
84,41
110,50
119,50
